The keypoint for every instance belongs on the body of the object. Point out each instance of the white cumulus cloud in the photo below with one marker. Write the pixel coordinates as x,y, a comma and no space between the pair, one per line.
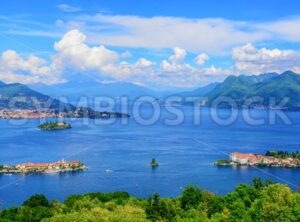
201,58
74,56
73,52
178,56
251,60
30,69
142,62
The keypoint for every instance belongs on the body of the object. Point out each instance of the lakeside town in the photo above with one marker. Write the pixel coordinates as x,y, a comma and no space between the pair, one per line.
270,159
59,166
80,112
26,114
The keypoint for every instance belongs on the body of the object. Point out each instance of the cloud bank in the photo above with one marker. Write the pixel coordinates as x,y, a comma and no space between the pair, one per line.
73,54
214,36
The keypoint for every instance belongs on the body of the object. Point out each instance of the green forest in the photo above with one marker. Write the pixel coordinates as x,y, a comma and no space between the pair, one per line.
54,126
258,201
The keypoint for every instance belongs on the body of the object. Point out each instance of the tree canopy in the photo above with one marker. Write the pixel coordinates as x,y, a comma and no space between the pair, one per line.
261,201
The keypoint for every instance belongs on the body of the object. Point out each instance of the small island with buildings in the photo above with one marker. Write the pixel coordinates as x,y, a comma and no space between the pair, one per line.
54,126
55,167
270,159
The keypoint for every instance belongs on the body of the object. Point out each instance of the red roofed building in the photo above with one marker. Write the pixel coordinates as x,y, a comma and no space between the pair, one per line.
246,158
47,166
32,165
255,159
75,162
241,158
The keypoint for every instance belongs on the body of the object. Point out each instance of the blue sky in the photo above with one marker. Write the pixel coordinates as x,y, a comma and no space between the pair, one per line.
158,44
255,10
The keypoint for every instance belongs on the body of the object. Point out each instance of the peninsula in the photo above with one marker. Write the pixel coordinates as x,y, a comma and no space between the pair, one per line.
54,126
270,159
60,166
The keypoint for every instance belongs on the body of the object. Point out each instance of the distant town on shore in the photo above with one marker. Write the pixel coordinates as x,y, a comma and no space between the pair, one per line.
81,112
270,159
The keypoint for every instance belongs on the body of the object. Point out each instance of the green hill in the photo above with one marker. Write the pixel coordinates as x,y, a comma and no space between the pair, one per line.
242,88
19,96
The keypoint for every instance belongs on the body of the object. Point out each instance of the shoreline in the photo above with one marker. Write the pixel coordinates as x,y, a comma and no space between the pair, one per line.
34,168
50,113
272,159
234,164
41,172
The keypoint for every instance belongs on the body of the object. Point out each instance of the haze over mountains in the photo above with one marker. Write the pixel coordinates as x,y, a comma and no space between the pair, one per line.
73,90
201,91
239,88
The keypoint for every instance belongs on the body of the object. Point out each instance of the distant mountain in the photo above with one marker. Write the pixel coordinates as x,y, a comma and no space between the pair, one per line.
241,88
201,91
19,96
22,97
264,77
74,89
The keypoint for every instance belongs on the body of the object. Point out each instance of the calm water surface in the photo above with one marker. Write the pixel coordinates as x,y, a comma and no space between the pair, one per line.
118,156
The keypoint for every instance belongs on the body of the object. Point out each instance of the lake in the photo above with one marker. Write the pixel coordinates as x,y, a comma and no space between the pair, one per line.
118,155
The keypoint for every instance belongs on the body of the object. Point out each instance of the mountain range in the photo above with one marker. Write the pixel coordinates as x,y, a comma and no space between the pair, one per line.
239,88
19,96
265,86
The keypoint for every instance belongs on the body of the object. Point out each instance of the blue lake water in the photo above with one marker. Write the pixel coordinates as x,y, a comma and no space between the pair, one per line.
118,156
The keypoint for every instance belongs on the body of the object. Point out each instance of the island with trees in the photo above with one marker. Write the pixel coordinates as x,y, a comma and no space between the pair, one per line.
154,163
262,201
54,126
25,168
270,159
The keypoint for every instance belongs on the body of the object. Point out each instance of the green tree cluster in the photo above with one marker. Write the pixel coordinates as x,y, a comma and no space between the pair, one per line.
54,126
283,154
260,201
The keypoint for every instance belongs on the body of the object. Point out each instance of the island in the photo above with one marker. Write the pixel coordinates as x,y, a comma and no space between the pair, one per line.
54,126
59,166
154,163
270,159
